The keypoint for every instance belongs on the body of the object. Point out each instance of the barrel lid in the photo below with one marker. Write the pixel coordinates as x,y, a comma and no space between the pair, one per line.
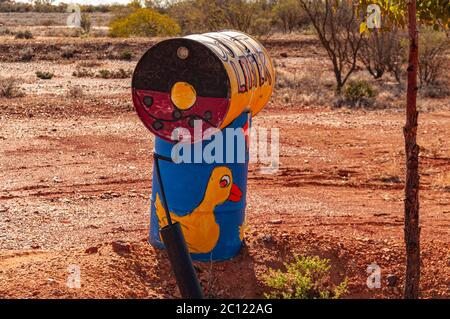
178,82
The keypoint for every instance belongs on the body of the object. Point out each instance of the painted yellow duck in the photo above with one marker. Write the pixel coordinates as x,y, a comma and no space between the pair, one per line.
200,228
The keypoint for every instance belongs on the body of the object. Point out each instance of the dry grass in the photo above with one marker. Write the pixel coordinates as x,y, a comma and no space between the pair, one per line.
304,87
68,51
114,74
313,84
9,87
442,181
434,148
286,79
26,55
391,174
103,73
49,18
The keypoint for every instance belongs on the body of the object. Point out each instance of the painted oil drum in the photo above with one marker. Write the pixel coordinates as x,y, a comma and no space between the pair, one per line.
212,77
207,199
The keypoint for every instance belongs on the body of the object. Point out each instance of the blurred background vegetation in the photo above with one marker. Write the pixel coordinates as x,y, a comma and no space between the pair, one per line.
362,70
259,17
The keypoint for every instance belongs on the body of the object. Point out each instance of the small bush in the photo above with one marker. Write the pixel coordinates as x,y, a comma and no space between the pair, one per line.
442,181
104,74
290,15
85,23
126,55
44,75
26,55
435,91
68,52
115,54
118,74
83,73
262,27
75,92
75,33
89,64
9,87
24,35
305,278
286,79
5,31
382,51
432,56
358,92
49,22
145,23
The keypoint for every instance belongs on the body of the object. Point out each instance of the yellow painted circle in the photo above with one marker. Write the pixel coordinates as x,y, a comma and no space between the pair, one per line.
183,95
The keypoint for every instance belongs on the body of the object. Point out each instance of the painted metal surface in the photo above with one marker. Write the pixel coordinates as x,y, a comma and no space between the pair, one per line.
220,80
212,77
207,199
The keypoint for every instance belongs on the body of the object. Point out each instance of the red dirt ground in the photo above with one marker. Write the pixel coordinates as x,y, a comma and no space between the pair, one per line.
76,175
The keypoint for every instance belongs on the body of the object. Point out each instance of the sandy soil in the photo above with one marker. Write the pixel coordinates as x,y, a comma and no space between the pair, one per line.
75,177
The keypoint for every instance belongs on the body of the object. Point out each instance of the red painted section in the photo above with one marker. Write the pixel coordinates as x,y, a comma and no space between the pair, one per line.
162,110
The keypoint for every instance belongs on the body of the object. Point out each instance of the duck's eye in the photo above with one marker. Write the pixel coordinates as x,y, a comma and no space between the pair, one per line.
224,181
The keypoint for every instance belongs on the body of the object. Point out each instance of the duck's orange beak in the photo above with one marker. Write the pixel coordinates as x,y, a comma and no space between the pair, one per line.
235,193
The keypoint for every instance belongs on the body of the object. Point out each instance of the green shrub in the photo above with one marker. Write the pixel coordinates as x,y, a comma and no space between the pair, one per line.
126,55
83,73
44,75
358,91
118,74
305,278
104,74
24,35
145,23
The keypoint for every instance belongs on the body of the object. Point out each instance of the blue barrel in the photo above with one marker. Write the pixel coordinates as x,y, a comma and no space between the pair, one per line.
207,199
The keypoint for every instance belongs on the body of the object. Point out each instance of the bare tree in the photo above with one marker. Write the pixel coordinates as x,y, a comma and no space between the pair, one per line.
337,26
238,13
432,56
382,52
198,16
